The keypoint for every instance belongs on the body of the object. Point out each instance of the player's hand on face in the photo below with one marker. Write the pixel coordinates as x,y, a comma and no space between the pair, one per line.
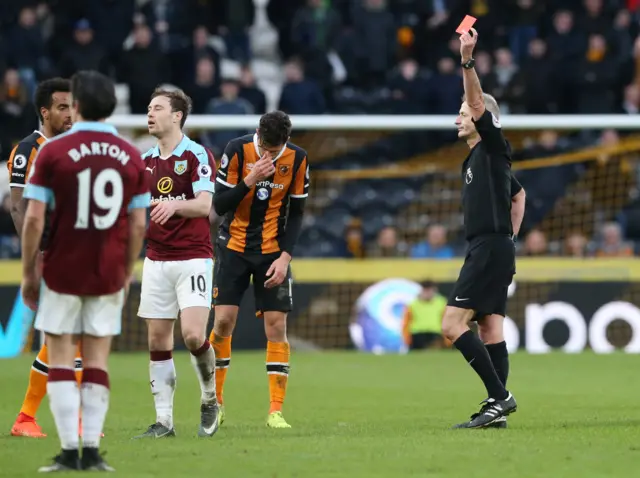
31,290
277,273
264,168
468,42
163,211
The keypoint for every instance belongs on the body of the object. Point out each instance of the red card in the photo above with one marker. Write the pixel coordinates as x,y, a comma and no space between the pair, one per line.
466,24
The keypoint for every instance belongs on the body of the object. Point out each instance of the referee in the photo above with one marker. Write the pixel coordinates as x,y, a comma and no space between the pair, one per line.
489,266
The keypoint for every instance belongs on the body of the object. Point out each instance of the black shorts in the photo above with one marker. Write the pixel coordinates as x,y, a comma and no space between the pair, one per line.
422,340
232,273
486,274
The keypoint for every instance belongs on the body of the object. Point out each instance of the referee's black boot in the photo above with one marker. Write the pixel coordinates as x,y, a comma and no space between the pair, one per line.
491,413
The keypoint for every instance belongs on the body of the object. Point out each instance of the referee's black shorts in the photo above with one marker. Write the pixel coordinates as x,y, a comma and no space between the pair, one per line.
486,274
232,273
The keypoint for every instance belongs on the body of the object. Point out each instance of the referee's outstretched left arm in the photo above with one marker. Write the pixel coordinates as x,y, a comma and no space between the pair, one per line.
472,88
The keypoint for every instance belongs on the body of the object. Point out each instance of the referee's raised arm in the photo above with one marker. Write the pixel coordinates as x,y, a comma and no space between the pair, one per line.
472,87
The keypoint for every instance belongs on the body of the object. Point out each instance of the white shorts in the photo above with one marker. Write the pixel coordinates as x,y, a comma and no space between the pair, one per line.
100,316
171,286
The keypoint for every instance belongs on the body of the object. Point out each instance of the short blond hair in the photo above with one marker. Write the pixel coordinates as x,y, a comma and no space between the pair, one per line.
490,103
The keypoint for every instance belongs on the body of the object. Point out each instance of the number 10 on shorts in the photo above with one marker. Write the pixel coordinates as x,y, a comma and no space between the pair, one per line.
198,284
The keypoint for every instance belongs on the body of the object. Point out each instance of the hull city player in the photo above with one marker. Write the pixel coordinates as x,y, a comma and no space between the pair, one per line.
260,193
95,185
178,268
490,261
52,106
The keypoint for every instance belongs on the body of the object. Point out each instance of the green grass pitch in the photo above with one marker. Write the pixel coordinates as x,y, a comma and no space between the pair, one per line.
364,416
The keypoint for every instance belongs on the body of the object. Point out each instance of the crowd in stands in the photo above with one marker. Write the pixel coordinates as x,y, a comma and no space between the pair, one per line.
338,56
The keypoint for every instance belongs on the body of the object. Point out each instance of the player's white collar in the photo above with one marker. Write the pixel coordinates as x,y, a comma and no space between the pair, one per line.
255,145
41,133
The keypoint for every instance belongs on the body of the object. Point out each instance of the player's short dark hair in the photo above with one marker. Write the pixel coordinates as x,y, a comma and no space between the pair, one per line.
178,100
95,95
44,93
275,128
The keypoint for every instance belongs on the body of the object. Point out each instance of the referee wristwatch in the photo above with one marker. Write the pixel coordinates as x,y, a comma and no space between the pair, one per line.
469,64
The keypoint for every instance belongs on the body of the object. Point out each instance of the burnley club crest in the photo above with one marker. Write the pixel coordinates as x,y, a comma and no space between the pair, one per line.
180,167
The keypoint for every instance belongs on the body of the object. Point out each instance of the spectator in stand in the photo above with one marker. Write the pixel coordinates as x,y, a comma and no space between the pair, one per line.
112,21
201,48
596,18
353,246
315,33
172,24
27,52
510,88
143,68
387,245
315,28
612,243
228,103
237,17
375,42
535,244
548,144
432,27
445,88
204,88
409,87
484,69
435,247
540,97
596,77
84,53
622,35
251,92
16,113
299,95
631,101
524,15
566,47
576,245
281,14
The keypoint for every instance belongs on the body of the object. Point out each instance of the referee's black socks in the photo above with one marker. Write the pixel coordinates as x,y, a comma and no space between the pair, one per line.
500,359
476,355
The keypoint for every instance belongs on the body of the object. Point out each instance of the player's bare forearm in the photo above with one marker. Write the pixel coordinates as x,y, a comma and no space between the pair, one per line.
32,235
198,207
137,230
473,90
517,210
18,209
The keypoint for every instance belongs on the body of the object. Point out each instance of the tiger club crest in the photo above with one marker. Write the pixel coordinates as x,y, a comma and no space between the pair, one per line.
283,169
180,167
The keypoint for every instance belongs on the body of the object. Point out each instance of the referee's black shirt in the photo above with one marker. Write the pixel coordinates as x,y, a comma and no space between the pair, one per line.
486,182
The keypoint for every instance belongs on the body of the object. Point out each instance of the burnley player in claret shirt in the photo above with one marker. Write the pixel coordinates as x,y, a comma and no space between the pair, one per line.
178,268
94,183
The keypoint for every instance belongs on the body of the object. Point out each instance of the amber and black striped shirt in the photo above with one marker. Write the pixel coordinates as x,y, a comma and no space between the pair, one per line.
258,224
20,165
21,159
